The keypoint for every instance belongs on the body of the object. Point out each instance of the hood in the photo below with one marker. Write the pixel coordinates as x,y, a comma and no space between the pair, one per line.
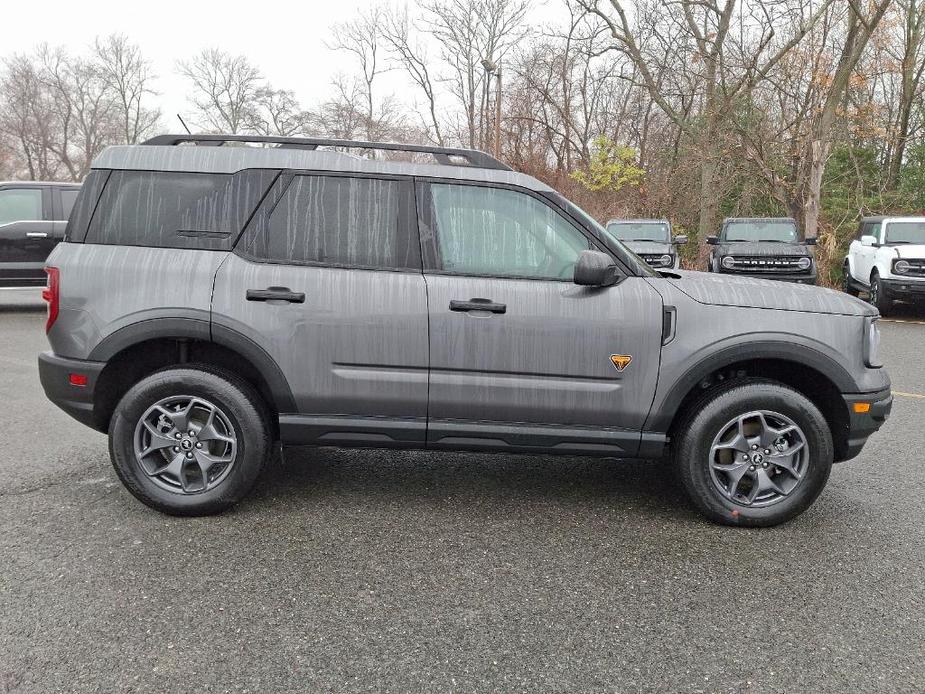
649,247
911,251
760,248
749,292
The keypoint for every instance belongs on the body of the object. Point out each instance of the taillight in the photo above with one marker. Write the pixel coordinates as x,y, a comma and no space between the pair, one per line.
52,294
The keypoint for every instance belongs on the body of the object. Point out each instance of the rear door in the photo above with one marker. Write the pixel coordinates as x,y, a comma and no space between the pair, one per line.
327,280
26,233
521,357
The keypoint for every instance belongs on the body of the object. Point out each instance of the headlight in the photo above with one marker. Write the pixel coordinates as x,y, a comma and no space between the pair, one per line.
872,344
901,267
666,260
728,262
805,263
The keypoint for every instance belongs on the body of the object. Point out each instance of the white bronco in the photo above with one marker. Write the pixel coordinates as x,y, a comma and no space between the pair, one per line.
887,260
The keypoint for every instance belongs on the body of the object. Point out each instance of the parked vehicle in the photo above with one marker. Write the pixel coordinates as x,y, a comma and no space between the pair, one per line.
887,260
210,300
33,215
768,248
650,239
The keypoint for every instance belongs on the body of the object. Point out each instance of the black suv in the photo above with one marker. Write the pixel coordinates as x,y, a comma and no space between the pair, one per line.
769,248
32,219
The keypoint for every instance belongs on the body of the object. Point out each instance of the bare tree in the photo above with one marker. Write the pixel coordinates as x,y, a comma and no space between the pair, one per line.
128,75
225,88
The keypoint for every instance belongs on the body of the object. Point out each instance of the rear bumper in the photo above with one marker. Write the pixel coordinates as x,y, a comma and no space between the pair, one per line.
862,424
55,374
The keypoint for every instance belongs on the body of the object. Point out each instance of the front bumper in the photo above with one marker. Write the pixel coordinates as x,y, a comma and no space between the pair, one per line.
77,400
801,278
862,424
911,289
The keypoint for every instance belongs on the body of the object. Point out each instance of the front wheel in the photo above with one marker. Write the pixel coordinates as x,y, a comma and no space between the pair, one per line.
190,440
878,296
756,453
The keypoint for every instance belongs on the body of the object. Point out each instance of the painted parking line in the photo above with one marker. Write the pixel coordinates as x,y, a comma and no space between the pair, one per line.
909,395
902,320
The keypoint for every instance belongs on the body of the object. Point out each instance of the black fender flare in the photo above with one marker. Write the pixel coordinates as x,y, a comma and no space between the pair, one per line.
665,408
198,329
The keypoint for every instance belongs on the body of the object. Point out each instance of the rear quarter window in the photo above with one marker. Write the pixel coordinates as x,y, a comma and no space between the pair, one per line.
176,209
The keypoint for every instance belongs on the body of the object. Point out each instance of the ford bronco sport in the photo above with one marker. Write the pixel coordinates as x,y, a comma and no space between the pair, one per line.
214,297
763,247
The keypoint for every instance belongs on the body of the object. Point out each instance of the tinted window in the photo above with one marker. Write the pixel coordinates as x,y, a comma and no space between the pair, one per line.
89,193
20,205
176,209
339,220
479,230
639,231
68,198
761,230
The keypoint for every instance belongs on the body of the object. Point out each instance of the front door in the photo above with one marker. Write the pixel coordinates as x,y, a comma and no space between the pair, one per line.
328,282
26,235
866,256
521,357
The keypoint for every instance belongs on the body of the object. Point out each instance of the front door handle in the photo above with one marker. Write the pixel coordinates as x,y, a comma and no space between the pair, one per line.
36,235
276,294
478,305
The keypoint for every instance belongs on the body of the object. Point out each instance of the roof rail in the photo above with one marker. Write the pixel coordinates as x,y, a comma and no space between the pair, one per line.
444,155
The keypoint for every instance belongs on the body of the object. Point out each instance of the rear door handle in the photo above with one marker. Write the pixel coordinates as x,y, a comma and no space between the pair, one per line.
478,305
36,235
276,294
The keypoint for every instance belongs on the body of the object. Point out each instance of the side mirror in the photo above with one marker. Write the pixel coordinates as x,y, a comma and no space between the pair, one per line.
867,240
595,269
679,240
712,240
810,241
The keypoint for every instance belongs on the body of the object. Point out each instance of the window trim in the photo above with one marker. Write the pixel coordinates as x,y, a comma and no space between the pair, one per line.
261,217
430,264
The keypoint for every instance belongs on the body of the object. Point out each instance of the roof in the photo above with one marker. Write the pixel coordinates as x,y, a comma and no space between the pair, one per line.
639,220
896,218
194,158
759,219
57,184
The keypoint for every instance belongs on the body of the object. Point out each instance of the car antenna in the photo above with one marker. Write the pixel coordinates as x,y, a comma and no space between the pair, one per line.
183,123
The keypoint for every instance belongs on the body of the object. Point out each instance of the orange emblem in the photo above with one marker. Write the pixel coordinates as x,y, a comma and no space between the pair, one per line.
620,361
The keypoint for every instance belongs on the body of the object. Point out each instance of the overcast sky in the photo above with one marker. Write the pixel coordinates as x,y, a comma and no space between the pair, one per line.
286,40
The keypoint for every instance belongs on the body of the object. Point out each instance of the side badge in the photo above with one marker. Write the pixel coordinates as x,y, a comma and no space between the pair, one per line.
620,361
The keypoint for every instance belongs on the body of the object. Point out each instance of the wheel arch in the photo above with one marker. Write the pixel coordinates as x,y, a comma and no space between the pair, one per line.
137,350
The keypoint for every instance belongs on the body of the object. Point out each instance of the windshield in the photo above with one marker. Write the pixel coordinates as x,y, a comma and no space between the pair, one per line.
783,230
613,244
639,231
905,232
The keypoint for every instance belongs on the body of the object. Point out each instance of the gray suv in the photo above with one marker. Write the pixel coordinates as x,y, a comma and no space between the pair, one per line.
214,297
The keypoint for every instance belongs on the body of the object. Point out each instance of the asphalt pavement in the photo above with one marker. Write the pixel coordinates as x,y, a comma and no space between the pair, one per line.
409,571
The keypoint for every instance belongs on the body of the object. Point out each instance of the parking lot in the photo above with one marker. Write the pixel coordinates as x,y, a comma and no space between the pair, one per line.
407,571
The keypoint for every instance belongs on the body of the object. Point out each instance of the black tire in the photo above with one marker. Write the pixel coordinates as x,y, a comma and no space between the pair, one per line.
878,296
705,419
242,407
847,285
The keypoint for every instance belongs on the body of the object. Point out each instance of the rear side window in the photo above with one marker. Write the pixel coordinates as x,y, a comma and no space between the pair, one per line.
177,209
342,221
79,219
20,205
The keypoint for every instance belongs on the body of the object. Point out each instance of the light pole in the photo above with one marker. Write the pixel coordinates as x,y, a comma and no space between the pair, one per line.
492,68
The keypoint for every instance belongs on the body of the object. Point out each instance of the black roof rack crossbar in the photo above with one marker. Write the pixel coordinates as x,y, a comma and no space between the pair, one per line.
443,155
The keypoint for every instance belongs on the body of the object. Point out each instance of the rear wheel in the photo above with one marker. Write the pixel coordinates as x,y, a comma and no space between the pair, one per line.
847,285
878,296
756,453
190,441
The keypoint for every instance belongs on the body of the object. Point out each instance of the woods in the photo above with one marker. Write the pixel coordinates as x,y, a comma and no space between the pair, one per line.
689,110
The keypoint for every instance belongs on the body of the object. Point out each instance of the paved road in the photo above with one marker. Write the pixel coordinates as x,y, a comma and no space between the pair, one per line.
386,571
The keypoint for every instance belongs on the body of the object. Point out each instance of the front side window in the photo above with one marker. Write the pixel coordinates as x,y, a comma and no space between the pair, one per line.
479,230
176,209
784,231
639,231
905,232
20,205
342,221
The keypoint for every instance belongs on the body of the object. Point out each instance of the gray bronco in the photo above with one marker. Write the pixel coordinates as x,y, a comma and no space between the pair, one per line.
216,295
